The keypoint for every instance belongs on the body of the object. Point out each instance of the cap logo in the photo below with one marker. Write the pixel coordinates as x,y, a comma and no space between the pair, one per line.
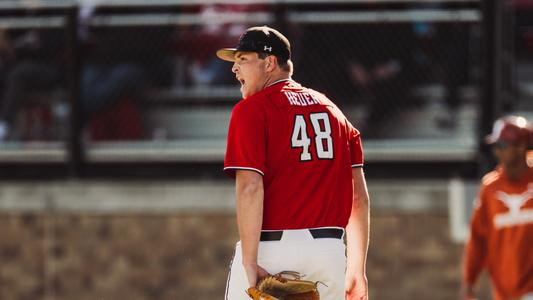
269,49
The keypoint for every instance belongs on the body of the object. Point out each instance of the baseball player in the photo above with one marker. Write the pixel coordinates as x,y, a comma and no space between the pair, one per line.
300,186
502,223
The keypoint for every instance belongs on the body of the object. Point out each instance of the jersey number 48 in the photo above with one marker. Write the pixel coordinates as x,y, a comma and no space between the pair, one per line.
322,132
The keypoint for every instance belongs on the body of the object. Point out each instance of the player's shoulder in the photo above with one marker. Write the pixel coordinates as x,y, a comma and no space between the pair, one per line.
491,178
293,86
258,99
323,98
248,108
334,110
355,131
251,101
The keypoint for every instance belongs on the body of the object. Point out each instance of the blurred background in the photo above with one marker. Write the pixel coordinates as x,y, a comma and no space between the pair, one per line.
113,120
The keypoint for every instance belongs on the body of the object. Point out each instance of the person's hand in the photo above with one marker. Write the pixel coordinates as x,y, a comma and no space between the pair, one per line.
254,272
356,287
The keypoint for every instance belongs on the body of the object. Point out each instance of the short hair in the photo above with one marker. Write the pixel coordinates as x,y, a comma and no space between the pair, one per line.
284,65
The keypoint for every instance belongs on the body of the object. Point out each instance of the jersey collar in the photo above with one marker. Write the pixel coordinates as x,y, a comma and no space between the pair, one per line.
278,81
269,87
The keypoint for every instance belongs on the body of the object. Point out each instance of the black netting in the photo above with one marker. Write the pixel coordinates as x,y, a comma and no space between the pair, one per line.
149,73
140,73
120,64
32,67
387,69
519,48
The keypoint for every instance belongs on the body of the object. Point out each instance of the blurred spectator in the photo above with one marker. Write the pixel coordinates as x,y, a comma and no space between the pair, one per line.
6,56
200,41
520,14
324,67
442,53
523,10
374,62
381,69
451,49
120,63
32,64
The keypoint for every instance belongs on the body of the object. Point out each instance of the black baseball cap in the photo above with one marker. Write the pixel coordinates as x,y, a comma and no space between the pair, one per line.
260,39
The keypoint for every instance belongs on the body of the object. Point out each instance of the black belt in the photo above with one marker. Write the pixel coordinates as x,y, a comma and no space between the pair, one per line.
319,233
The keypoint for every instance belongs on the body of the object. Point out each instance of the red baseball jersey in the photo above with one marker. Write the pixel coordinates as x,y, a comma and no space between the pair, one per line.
502,234
304,147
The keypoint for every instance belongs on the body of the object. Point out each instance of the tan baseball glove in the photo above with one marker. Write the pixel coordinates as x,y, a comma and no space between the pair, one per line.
286,285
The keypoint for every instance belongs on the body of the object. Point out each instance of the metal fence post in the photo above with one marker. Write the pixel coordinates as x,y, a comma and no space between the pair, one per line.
76,154
491,78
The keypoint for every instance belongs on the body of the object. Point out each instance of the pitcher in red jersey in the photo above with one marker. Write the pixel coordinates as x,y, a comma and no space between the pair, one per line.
502,223
300,185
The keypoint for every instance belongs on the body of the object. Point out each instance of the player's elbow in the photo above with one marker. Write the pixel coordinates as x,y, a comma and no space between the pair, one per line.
249,184
361,200
250,189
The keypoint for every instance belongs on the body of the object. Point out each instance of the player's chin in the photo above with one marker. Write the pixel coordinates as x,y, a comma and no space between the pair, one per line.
244,91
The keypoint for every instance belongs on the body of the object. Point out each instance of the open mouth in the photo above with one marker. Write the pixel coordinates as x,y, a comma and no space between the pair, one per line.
241,80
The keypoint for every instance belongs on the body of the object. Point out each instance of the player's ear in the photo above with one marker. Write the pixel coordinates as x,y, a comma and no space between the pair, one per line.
271,62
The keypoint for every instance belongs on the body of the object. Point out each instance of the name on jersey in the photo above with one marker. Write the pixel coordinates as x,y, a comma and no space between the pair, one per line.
301,99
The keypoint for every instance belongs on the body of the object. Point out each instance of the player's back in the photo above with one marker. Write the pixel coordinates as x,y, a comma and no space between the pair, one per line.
310,150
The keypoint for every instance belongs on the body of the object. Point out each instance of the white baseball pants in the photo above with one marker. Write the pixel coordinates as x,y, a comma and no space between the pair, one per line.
319,259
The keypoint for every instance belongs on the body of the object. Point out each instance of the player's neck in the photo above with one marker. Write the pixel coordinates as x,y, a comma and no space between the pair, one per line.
275,78
515,172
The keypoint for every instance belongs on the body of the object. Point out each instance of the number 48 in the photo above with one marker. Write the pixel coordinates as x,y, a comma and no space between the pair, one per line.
323,140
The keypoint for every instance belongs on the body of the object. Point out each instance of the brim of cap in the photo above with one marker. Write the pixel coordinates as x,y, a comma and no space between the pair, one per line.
227,54
490,139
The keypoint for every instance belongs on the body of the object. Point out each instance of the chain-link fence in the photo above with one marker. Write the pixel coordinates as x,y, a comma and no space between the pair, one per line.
517,44
148,86
397,74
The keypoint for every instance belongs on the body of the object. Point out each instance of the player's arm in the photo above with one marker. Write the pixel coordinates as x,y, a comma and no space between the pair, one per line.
475,249
474,261
357,233
473,258
250,195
